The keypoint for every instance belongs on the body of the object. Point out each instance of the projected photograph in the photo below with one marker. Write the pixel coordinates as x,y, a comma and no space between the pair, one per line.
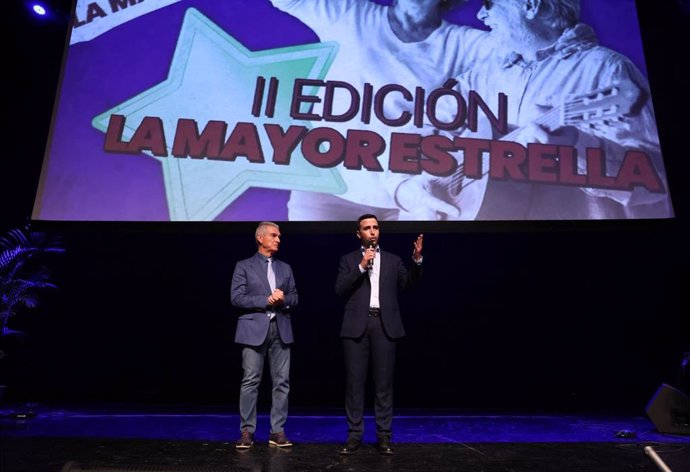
323,110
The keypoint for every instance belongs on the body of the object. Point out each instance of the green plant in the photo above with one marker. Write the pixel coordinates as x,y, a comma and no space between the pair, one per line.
22,274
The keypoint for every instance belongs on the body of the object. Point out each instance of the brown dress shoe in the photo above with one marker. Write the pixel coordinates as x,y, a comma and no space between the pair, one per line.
279,440
246,440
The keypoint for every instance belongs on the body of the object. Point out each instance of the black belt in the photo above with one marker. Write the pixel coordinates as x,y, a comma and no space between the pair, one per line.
375,312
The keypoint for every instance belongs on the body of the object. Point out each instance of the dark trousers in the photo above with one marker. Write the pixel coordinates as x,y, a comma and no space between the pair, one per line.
376,346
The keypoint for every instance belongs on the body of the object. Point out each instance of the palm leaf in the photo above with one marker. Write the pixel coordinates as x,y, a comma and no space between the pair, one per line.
21,278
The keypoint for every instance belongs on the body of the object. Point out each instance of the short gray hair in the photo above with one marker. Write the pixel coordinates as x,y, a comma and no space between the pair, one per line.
560,14
261,229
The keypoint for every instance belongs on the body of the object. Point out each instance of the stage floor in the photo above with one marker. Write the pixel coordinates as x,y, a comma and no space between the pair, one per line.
131,438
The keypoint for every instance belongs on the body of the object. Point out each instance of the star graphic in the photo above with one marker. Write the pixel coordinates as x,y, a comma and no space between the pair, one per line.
212,77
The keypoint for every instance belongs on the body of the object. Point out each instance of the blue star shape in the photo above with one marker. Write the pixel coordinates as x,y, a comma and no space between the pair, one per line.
212,77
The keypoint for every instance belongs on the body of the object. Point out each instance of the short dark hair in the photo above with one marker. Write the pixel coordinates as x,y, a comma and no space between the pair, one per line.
365,217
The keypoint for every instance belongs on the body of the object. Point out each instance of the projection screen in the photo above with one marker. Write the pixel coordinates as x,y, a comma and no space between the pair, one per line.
322,110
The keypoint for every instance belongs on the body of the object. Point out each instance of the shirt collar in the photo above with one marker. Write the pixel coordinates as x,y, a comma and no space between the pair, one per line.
264,258
577,38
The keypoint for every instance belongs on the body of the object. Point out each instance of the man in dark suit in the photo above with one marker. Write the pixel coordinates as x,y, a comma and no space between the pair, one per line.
369,279
263,288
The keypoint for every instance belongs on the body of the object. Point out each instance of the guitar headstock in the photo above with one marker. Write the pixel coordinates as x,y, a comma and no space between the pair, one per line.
606,107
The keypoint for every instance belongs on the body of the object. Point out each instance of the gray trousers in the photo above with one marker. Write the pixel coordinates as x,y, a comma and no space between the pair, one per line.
253,366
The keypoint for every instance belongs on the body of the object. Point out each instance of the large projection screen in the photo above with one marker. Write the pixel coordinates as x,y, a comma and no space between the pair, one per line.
322,110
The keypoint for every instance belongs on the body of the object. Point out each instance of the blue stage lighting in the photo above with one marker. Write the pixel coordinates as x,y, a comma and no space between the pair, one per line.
39,9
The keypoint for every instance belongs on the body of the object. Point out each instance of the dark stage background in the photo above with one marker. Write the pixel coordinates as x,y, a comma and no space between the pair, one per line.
557,316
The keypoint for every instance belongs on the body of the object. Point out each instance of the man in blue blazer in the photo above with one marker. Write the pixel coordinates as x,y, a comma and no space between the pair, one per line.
263,288
369,278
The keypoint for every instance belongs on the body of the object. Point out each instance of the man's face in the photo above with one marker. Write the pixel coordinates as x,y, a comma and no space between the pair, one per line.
269,241
368,232
506,19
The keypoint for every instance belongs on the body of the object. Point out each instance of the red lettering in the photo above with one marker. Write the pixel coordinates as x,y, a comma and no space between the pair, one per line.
284,143
542,163
188,142
149,136
404,153
363,149
596,169
506,159
437,159
243,141
637,169
329,157
567,158
472,151
113,135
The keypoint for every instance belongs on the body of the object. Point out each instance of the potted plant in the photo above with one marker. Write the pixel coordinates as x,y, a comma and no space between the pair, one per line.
22,275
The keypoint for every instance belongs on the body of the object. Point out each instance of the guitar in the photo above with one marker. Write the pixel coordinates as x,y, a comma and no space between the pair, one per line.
602,108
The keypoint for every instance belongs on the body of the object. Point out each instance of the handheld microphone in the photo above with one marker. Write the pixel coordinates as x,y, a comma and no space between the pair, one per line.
371,261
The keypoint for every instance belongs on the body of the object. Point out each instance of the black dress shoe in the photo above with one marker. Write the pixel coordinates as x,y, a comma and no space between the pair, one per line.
385,446
350,447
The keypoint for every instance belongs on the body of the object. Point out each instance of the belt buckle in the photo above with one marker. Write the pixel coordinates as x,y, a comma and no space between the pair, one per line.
374,312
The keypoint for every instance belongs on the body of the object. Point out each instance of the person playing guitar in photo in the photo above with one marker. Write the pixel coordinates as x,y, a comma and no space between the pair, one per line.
562,89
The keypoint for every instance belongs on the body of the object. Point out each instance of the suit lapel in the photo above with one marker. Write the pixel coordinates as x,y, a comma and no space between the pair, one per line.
261,268
383,268
356,259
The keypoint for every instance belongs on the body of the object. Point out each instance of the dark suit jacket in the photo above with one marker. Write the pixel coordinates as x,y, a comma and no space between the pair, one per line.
250,291
355,285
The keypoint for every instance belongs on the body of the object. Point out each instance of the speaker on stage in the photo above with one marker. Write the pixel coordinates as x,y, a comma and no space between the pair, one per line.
669,410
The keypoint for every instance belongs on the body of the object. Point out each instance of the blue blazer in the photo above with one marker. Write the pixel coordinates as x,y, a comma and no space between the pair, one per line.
355,286
249,293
